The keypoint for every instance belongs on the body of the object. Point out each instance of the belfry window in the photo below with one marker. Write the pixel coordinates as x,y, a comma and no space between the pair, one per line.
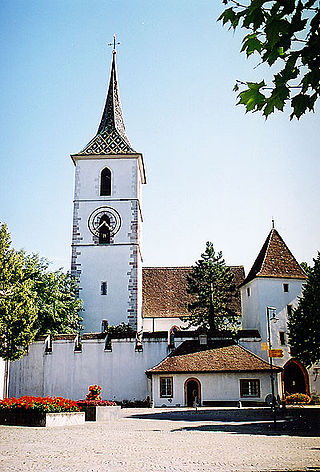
104,230
105,182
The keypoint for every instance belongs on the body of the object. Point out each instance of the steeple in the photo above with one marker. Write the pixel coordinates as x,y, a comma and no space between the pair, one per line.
111,136
275,260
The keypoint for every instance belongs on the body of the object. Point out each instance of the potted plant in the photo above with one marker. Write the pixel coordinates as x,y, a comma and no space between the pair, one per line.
95,408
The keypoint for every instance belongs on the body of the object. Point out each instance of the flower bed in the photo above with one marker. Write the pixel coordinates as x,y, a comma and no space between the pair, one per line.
297,398
46,404
39,411
94,406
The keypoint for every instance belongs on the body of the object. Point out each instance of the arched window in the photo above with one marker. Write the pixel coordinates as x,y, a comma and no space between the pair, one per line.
104,230
105,182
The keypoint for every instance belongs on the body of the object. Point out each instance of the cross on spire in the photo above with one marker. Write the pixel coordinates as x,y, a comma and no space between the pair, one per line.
114,43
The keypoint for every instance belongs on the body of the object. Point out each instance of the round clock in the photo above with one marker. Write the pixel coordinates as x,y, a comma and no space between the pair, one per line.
104,216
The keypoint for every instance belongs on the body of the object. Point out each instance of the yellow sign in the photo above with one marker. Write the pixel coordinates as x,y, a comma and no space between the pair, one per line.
275,353
264,346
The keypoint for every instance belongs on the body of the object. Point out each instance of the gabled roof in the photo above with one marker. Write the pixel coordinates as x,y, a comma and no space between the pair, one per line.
275,260
224,356
111,136
164,291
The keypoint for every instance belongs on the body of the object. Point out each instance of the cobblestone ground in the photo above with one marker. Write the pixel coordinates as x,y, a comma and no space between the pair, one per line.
140,442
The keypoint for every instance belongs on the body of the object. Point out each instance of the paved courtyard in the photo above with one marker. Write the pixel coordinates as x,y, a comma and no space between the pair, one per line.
159,440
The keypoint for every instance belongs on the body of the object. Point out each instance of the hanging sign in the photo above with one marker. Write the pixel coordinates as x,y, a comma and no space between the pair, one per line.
275,353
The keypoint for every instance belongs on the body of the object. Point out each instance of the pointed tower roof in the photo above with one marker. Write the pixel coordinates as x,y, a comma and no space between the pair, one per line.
111,136
275,260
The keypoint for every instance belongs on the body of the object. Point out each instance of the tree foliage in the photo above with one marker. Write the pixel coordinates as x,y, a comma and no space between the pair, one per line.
284,33
304,322
56,297
18,311
33,300
211,285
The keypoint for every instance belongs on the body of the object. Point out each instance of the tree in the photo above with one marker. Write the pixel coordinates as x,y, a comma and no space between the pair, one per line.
211,285
18,311
304,322
56,297
284,33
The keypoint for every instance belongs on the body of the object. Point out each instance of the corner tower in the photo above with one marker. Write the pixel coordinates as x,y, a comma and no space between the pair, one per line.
107,221
275,280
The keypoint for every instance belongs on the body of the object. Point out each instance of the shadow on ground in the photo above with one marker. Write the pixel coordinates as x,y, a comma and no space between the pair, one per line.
264,426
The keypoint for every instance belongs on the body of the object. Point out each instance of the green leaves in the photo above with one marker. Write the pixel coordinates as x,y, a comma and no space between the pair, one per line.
251,43
281,32
252,97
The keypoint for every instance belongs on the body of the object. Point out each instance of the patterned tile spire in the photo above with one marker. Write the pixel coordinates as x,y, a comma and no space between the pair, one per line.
111,136
275,260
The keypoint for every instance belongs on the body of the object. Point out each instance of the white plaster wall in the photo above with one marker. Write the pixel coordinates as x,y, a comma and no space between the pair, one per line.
269,292
120,372
2,369
162,324
124,172
110,264
214,387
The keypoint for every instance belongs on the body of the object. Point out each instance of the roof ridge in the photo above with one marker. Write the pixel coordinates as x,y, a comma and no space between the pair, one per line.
266,251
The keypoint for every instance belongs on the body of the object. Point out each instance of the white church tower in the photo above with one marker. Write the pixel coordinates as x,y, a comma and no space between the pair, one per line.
107,221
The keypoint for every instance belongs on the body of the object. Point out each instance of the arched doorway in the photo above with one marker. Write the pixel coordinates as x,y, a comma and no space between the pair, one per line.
192,391
295,378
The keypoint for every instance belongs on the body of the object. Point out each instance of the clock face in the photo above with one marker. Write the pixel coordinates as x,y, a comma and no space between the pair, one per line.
104,216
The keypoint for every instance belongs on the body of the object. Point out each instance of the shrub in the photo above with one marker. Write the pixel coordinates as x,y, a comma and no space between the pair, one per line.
46,404
297,398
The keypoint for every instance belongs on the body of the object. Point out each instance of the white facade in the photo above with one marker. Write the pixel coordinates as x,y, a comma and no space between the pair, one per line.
118,265
214,387
269,292
163,324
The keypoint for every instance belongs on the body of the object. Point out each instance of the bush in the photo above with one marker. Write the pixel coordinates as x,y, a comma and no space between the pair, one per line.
46,404
297,398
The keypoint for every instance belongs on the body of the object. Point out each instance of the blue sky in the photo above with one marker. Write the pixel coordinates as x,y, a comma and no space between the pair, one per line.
214,173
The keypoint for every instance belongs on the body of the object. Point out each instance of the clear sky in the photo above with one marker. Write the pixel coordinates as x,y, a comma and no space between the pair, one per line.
214,173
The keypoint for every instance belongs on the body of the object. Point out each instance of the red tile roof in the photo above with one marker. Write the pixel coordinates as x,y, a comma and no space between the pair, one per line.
275,260
164,291
192,357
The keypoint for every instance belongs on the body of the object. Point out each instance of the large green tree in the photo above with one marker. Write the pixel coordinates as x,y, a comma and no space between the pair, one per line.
285,34
211,287
304,322
56,297
33,300
18,309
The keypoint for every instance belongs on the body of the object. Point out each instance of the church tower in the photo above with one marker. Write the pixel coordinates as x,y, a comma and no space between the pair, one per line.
107,221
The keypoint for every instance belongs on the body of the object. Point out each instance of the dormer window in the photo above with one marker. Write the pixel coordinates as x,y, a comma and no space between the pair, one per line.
105,182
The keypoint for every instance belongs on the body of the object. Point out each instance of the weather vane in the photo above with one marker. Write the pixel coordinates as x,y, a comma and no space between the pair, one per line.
114,44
